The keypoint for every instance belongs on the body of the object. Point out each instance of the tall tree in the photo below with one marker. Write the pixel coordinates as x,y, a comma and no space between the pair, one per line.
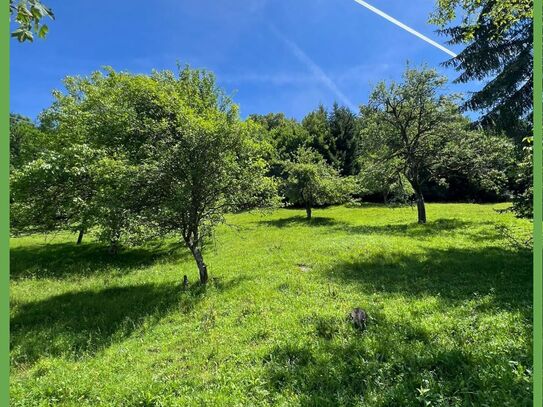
161,154
202,163
413,127
55,191
344,131
95,133
497,35
284,135
318,126
269,121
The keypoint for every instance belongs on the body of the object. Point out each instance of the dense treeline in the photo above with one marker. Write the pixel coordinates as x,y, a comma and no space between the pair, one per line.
338,136
132,157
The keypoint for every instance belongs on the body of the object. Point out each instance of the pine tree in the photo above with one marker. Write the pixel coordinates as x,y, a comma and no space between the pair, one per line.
344,131
317,125
498,45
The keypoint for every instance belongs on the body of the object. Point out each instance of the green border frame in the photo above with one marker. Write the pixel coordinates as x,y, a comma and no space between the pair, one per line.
4,205
538,206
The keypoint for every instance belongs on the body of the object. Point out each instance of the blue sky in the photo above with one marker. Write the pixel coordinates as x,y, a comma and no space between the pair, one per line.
271,55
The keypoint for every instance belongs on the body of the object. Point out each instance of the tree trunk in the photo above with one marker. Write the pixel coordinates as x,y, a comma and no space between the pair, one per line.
421,209
202,268
115,242
308,211
80,237
113,247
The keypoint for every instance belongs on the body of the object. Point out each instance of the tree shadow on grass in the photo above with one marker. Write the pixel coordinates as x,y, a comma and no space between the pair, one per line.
453,274
77,324
297,220
412,229
59,260
417,230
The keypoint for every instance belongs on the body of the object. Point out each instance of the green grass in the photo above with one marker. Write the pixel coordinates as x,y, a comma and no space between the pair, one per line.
449,304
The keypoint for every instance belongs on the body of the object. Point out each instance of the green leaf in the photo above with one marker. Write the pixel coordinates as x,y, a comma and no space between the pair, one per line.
27,36
43,31
23,11
36,12
22,35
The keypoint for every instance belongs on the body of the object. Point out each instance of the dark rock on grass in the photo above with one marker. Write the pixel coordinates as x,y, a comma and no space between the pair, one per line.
359,318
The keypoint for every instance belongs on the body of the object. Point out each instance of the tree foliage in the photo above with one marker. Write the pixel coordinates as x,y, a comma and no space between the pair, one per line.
523,189
317,124
344,131
285,135
54,191
28,16
334,135
129,157
140,155
498,38
383,178
204,164
26,140
310,181
94,137
422,135
502,14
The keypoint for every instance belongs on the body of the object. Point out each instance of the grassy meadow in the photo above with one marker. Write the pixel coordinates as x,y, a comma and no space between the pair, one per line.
450,306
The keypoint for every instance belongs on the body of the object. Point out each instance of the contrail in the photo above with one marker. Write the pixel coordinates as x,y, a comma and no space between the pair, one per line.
315,69
406,28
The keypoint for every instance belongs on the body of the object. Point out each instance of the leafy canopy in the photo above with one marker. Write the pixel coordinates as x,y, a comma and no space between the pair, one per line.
201,163
421,134
310,181
139,155
502,14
